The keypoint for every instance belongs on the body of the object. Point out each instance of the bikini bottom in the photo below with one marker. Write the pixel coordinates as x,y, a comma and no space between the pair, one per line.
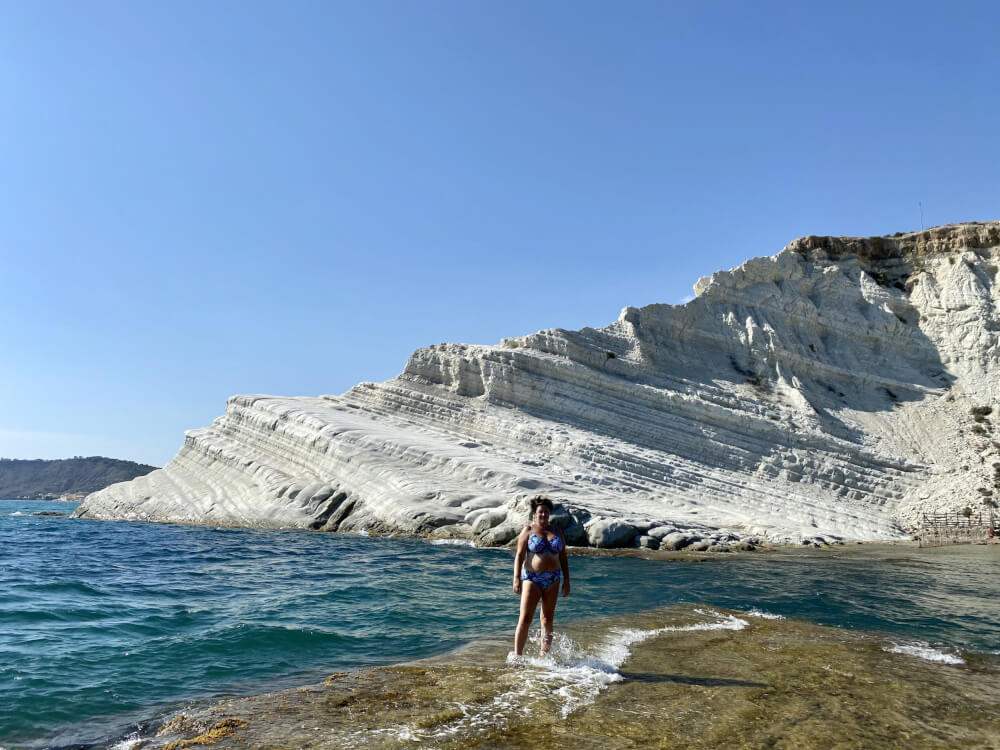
542,580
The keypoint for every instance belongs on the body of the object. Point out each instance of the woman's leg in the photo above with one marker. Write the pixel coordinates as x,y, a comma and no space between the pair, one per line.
549,598
530,594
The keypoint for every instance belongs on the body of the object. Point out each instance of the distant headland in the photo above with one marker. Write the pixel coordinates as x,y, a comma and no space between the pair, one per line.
69,479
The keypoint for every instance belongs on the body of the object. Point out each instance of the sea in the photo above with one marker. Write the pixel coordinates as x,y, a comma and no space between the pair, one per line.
108,629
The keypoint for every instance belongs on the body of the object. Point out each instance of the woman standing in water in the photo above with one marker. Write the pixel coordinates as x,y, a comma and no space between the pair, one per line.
540,562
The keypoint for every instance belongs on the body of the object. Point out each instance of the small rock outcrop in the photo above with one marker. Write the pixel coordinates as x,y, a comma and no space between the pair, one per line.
836,390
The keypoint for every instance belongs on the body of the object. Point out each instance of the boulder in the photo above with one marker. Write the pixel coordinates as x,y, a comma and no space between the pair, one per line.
499,536
488,519
609,533
646,541
677,540
658,532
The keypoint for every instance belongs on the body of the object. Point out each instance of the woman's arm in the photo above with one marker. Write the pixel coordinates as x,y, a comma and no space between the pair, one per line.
522,550
564,563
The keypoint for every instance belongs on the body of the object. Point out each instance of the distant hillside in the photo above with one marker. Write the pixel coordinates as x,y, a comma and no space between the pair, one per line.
38,478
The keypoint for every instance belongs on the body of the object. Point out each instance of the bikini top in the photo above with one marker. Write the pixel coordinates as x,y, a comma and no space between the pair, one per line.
540,545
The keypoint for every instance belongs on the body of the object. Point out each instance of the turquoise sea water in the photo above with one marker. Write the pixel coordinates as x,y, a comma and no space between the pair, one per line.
106,625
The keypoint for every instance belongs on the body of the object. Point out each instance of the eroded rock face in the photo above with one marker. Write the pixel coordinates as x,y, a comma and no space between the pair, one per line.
827,390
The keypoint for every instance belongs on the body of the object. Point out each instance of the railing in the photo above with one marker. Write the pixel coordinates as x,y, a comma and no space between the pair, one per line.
938,529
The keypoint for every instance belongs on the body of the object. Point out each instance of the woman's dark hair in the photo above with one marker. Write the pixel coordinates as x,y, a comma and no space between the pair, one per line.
537,502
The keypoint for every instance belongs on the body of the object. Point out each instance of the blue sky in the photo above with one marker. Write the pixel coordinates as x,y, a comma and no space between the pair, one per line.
201,199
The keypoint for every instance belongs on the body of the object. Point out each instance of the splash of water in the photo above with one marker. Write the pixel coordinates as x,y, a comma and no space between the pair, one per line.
925,651
569,676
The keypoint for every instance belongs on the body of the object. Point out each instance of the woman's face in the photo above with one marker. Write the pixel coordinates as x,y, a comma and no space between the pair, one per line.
542,514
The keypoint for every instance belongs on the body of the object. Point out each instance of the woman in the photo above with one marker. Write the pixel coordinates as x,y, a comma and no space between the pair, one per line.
539,563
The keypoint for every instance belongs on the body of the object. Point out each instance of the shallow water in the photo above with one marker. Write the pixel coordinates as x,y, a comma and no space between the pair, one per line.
104,625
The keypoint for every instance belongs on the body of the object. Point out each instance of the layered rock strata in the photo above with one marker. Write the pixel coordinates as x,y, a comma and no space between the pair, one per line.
834,391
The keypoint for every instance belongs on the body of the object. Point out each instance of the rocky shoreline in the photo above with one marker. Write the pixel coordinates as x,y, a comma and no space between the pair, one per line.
662,540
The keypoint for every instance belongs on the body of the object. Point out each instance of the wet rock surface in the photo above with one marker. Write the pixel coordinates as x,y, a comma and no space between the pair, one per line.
698,678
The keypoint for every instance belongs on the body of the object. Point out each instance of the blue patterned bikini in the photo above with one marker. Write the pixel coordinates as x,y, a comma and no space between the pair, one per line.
540,545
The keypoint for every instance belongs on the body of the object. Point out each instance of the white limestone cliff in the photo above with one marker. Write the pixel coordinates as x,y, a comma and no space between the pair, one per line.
837,389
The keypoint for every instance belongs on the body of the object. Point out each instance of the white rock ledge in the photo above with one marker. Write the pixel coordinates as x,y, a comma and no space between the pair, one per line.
822,394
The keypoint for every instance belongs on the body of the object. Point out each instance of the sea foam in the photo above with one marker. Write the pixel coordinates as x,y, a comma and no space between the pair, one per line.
754,612
128,743
927,652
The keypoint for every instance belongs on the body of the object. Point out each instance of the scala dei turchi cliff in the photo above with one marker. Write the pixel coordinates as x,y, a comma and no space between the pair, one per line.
835,391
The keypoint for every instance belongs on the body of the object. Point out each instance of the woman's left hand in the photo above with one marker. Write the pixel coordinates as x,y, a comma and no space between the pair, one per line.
565,588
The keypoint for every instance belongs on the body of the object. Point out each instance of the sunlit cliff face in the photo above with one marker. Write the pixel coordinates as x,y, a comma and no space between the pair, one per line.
837,390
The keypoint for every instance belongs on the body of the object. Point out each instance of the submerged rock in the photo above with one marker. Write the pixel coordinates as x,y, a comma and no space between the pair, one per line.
838,389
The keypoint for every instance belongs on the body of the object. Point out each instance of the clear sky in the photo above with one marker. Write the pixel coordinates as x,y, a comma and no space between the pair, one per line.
199,199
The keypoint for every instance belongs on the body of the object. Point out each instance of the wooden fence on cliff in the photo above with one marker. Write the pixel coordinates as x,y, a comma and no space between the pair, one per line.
938,529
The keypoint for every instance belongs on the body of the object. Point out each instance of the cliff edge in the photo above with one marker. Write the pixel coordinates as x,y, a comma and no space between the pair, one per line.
837,389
